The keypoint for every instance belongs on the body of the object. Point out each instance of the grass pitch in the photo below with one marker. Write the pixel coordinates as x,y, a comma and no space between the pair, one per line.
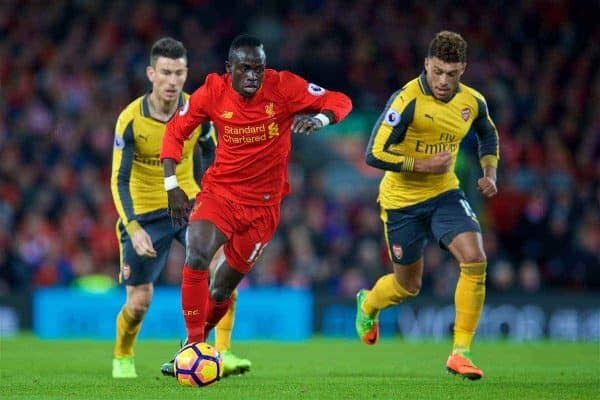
318,369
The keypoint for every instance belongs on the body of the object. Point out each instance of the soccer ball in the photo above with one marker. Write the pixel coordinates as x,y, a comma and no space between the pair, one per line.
198,364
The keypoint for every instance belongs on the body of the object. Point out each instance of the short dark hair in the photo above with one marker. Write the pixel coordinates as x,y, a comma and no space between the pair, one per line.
167,47
243,40
449,47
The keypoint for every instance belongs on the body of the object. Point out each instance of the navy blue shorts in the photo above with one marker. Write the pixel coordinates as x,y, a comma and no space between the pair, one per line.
443,217
136,270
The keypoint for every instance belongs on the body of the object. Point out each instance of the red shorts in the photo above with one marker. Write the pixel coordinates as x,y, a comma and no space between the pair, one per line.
248,228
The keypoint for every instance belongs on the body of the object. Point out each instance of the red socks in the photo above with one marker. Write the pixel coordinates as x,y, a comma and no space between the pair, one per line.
215,311
194,295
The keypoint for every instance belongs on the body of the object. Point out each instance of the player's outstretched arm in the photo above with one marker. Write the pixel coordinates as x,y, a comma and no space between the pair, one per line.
178,203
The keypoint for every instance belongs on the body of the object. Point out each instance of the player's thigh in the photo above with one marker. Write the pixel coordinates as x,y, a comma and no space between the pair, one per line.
246,245
136,270
211,223
453,216
405,232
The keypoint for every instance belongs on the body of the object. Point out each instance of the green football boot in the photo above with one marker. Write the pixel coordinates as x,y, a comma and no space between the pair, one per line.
367,327
234,365
124,367
168,368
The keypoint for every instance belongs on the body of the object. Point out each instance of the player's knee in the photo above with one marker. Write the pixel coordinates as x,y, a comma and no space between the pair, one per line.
220,294
138,300
473,256
198,258
138,308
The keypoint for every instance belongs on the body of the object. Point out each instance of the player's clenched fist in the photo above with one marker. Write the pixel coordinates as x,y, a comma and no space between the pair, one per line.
487,186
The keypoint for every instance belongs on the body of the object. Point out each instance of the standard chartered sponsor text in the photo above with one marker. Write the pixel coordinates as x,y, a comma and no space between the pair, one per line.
245,135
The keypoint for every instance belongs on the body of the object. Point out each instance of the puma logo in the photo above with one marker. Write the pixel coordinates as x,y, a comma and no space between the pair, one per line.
143,137
429,116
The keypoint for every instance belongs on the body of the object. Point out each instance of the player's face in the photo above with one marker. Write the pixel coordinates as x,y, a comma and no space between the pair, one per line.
442,77
247,69
168,76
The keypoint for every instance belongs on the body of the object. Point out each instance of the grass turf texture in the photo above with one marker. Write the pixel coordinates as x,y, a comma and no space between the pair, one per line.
318,369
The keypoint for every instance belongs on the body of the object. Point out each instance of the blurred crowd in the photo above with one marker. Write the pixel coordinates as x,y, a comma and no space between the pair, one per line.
67,68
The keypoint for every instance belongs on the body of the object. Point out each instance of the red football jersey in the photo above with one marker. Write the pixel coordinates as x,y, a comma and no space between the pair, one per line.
254,134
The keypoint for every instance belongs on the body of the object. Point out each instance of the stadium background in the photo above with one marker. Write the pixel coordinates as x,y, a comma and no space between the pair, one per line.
67,68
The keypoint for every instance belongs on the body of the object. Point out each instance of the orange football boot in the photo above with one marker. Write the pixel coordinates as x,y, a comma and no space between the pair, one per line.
461,364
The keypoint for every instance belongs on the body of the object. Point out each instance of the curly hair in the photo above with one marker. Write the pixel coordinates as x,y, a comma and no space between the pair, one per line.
449,47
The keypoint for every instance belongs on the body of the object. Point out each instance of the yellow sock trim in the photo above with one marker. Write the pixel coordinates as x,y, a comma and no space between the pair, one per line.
127,331
386,292
468,299
225,327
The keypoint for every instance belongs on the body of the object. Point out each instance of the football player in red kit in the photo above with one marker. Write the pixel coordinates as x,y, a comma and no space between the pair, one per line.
254,111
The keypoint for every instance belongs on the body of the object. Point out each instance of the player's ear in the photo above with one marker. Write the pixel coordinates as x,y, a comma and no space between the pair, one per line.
228,66
150,73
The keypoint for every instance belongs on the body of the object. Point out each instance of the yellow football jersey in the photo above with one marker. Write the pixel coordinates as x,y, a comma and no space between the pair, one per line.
137,182
416,125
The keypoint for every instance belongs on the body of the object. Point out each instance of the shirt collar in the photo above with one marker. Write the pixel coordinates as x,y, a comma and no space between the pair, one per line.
146,105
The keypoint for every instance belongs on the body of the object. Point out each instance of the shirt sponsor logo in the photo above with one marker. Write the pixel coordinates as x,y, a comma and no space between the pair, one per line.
227,114
153,161
392,118
315,90
250,134
273,130
184,109
465,114
119,142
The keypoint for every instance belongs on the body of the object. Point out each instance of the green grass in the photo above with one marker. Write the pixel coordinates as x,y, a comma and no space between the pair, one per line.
319,369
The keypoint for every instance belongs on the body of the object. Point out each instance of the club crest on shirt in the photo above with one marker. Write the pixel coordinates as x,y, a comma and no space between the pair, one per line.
269,109
315,90
126,271
119,142
465,114
392,118
397,250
